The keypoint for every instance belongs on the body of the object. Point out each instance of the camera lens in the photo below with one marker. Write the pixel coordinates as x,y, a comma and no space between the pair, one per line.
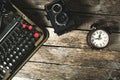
61,18
56,8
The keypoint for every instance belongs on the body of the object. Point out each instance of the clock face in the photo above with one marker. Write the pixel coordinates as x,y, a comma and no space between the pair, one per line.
99,38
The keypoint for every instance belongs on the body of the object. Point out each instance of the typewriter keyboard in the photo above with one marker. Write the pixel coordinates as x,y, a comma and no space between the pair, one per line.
17,46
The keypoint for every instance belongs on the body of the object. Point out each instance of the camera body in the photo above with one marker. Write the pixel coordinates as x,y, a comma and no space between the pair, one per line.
59,16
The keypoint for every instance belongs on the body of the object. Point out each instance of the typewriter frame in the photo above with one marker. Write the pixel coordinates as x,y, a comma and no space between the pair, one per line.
39,42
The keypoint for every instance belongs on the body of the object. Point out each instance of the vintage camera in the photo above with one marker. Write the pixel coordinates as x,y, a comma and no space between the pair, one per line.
60,16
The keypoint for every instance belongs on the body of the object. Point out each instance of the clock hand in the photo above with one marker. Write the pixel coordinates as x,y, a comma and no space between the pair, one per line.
100,36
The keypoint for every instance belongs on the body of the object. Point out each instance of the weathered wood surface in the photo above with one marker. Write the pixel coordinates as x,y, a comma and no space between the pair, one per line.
77,39
85,12
94,6
68,57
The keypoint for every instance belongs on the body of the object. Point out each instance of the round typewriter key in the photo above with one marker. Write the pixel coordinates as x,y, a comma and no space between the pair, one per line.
17,49
30,27
9,49
31,34
26,32
10,64
21,45
4,71
16,57
1,66
33,40
13,60
24,42
21,35
7,67
8,59
19,53
19,39
14,52
27,38
23,50
29,43
11,56
24,26
36,35
26,46
4,63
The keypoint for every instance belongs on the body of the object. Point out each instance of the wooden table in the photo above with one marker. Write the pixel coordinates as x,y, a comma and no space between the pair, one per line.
68,57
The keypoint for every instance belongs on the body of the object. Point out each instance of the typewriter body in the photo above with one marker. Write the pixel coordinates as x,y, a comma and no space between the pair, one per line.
20,38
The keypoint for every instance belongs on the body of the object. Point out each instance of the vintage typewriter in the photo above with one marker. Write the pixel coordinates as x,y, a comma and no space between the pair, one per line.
20,38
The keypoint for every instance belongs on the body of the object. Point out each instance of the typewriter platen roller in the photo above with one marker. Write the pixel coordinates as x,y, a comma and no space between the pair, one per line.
19,40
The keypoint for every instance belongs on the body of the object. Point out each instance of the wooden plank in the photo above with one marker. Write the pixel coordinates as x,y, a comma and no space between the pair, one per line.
39,4
72,39
77,39
83,21
39,71
57,63
115,42
77,57
50,61
95,6
87,6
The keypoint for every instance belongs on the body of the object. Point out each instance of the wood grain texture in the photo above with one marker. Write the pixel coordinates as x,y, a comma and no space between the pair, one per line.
40,71
85,13
94,6
70,63
77,39
76,57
